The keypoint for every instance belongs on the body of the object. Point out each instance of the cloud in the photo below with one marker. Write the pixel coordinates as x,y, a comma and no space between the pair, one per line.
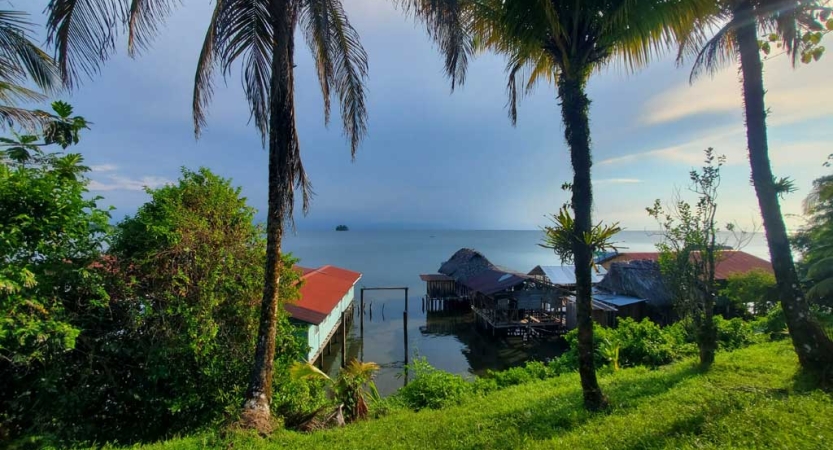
618,181
792,95
723,140
121,183
104,167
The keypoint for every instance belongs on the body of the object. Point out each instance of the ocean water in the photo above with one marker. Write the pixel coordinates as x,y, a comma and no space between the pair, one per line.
448,341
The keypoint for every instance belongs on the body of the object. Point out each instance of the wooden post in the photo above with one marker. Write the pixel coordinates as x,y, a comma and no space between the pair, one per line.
406,299
405,325
361,313
343,339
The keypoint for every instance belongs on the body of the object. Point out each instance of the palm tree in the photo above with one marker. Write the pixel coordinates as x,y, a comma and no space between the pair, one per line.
564,43
737,40
21,61
260,34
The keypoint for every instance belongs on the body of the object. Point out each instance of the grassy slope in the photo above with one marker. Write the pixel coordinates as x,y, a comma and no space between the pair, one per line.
750,399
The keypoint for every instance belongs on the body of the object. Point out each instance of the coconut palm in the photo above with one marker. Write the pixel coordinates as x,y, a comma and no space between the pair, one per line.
22,62
260,34
737,40
563,43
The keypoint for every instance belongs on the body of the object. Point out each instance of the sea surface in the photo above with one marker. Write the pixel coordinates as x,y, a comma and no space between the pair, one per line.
448,341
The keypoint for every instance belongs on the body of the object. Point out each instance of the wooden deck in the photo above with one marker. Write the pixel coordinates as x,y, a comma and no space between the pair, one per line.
554,323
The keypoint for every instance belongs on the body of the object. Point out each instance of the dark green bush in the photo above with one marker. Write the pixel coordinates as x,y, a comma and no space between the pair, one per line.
643,343
432,388
531,371
734,334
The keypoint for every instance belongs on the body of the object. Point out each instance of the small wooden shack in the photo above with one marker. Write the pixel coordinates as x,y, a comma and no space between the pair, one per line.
503,300
326,300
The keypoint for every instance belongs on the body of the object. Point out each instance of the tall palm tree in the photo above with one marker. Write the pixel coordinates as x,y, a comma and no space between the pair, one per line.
260,34
564,43
737,40
22,62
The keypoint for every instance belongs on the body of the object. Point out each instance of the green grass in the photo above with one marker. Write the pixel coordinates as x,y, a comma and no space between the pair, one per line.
751,398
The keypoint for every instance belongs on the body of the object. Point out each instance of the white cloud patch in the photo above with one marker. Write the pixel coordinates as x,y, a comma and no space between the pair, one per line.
618,181
122,183
792,95
104,167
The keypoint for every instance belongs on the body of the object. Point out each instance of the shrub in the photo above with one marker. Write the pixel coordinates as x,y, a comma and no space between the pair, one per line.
531,371
643,343
734,334
432,388
756,288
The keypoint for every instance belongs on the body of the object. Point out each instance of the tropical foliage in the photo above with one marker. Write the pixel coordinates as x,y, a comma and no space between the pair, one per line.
755,289
51,236
814,242
352,389
153,336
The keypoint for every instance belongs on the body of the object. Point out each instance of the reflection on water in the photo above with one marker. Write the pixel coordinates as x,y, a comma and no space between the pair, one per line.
486,352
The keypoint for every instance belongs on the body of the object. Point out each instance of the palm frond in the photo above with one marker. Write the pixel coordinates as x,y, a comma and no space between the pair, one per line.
204,77
315,21
639,31
306,371
84,34
243,29
143,21
20,58
30,120
716,53
349,75
448,23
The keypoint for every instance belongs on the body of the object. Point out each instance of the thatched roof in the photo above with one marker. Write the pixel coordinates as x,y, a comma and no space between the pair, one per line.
466,263
640,279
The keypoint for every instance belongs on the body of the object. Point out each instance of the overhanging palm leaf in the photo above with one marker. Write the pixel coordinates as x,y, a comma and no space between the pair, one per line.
20,58
22,61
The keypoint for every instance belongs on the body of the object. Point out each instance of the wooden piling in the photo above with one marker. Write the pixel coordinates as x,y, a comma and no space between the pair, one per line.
343,339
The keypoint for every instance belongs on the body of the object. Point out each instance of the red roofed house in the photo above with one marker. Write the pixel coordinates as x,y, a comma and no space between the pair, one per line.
326,293
731,262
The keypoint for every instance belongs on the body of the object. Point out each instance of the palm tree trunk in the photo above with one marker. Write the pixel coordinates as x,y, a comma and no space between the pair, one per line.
256,408
813,346
574,111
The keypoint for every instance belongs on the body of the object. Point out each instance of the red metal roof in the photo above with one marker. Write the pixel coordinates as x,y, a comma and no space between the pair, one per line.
731,262
321,291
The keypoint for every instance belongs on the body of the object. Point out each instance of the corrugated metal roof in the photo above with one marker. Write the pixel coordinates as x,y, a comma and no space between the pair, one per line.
566,275
322,290
731,262
435,277
616,300
492,281
595,304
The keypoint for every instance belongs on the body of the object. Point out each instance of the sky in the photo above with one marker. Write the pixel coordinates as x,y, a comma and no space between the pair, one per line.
434,159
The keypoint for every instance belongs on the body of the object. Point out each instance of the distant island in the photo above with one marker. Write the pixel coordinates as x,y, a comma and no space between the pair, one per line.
342,228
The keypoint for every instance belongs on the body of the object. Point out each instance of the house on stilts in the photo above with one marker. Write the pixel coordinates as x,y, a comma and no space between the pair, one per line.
325,307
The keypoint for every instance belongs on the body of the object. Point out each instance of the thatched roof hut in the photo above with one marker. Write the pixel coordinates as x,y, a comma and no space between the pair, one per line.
640,278
466,263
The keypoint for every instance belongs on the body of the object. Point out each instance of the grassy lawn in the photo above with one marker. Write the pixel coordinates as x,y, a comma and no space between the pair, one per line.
750,398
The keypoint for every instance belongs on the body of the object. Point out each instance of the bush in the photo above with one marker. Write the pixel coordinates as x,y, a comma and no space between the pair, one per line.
756,288
531,371
734,334
643,343
432,388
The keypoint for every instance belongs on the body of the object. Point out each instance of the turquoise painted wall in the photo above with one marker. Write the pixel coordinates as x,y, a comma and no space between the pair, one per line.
317,334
